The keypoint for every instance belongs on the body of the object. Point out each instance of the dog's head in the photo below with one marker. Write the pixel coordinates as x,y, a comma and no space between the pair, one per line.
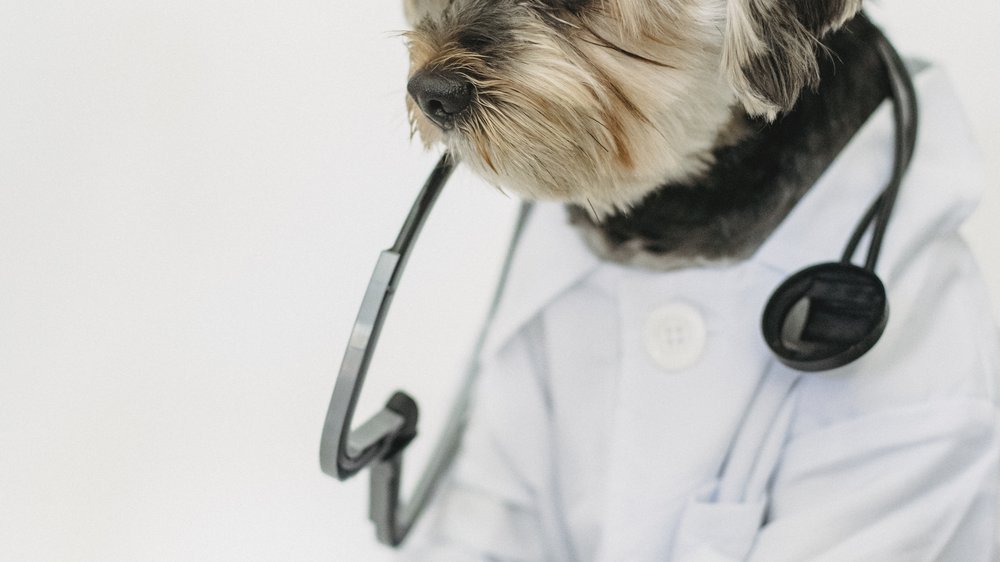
599,101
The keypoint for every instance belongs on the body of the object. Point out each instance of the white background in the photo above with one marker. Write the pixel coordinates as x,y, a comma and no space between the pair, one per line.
192,194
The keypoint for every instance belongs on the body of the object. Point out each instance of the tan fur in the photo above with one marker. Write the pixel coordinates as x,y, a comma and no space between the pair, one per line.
597,107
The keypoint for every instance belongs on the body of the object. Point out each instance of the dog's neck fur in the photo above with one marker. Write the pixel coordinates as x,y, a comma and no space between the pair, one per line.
760,171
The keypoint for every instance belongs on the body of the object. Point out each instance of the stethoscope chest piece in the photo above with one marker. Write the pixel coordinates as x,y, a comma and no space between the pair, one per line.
826,316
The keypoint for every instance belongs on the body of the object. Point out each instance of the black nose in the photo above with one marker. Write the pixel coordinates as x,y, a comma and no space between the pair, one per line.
440,95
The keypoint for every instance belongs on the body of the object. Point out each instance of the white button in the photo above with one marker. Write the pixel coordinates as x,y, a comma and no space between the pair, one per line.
674,336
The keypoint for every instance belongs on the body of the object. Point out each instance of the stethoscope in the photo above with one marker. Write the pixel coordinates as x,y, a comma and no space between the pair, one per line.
821,318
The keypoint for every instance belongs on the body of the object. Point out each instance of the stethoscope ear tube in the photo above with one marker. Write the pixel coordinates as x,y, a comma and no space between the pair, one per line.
381,439
379,442
904,105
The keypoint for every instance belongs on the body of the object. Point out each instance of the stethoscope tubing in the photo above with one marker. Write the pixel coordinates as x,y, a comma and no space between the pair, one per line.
905,110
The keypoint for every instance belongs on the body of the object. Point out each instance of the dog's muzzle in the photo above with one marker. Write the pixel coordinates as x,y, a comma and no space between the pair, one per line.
442,96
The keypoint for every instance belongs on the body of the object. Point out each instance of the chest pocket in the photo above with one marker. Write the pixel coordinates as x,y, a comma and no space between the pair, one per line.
720,522
711,531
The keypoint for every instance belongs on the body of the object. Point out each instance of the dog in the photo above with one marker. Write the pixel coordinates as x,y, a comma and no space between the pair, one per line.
680,135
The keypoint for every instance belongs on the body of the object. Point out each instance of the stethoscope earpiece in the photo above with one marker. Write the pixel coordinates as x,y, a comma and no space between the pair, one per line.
825,316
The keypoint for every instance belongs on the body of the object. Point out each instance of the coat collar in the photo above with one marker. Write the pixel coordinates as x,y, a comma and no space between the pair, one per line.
941,188
939,192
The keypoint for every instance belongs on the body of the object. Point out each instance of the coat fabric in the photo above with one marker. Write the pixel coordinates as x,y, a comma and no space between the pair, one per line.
632,415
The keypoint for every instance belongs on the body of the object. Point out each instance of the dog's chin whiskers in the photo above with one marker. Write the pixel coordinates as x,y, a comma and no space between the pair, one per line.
593,212
659,131
484,154
601,123
597,142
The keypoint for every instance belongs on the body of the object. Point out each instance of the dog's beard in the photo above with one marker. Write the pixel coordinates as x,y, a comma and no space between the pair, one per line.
581,114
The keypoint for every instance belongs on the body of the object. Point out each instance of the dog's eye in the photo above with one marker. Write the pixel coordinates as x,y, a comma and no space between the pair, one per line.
475,42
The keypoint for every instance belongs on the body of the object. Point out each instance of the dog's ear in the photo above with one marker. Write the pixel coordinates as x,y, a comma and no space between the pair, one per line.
769,49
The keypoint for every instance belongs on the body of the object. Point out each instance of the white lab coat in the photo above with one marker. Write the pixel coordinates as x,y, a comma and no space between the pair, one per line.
587,441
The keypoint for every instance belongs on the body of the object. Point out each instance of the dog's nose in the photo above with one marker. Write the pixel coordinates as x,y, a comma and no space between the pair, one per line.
440,95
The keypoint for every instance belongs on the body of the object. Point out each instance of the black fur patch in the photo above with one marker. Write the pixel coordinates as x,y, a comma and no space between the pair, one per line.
575,6
754,184
481,26
816,16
